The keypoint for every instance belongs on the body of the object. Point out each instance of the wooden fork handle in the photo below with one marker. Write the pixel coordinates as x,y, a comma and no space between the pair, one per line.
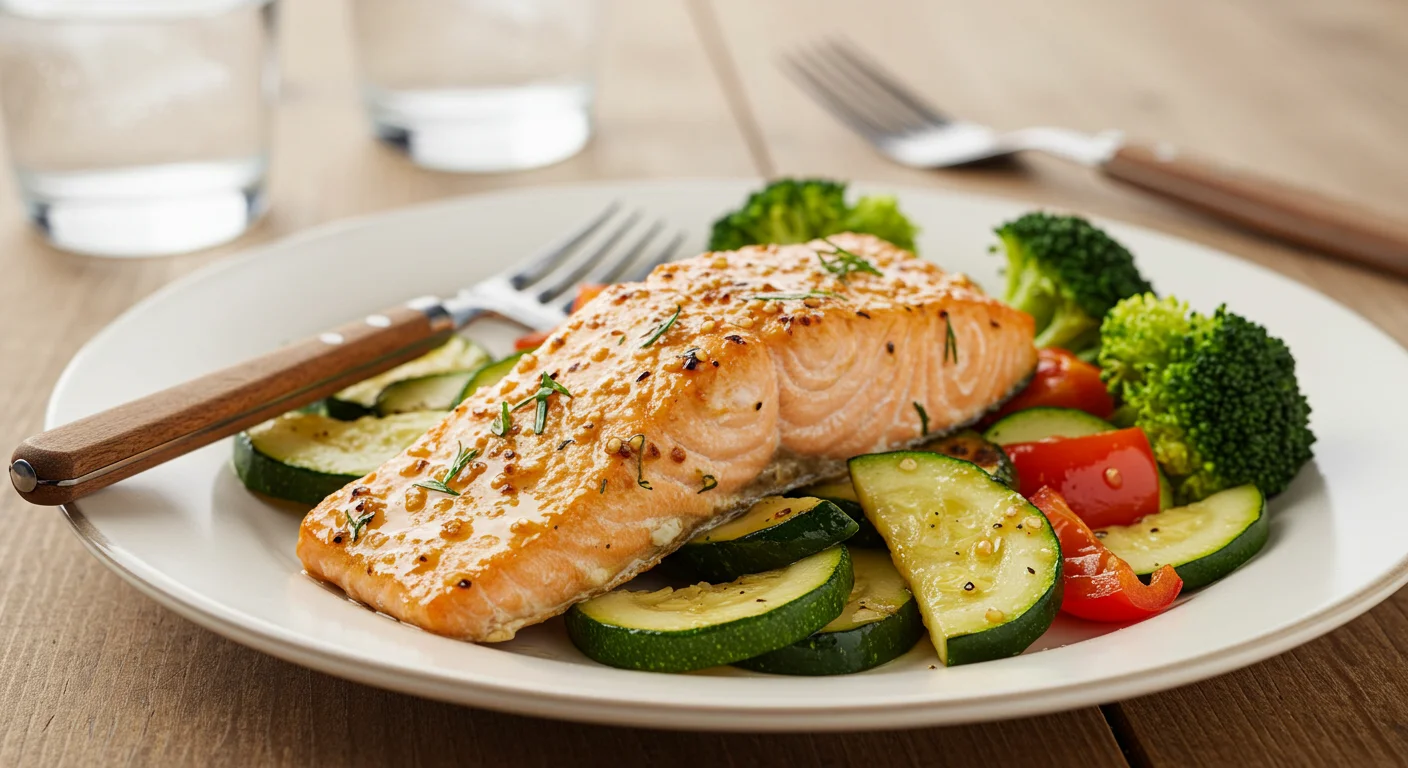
1289,213
78,458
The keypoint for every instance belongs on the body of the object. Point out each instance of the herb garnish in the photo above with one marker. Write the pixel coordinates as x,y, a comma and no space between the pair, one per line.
923,418
846,263
603,486
710,483
356,524
950,341
637,443
794,296
546,387
662,329
502,422
462,457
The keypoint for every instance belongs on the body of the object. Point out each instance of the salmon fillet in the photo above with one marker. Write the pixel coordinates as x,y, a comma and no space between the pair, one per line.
738,398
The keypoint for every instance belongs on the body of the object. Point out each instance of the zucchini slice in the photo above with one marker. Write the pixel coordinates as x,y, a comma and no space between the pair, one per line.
305,457
457,354
772,533
1203,541
880,622
708,625
432,392
971,446
1032,424
440,391
843,495
967,445
982,561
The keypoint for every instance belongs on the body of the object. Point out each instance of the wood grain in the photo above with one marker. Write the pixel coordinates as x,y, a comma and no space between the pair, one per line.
1291,88
93,673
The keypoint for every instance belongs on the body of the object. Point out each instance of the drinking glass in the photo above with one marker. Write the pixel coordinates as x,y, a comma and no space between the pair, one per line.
138,127
478,85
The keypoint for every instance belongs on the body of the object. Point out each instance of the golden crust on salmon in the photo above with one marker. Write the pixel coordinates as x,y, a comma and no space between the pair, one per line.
718,380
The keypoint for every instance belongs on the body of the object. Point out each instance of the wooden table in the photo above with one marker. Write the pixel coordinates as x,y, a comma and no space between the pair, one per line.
92,673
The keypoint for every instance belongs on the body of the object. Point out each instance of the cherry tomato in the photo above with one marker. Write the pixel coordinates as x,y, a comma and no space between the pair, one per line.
1109,478
585,293
1097,585
1062,380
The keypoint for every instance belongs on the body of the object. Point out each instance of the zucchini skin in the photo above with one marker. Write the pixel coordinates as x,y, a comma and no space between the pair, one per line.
1214,566
1013,637
819,528
344,410
848,651
865,536
715,645
263,474
973,447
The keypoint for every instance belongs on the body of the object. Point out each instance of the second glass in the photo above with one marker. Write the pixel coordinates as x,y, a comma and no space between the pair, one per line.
478,85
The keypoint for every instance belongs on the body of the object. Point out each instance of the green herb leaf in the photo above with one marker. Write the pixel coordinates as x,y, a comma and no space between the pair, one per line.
462,458
503,422
547,386
846,263
796,296
357,523
662,329
637,443
603,486
923,419
710,483
950,341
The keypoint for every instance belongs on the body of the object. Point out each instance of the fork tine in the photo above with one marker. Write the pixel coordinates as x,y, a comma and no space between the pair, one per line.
558,252
832,101
862,64
566,282
613,272
663,255
860,96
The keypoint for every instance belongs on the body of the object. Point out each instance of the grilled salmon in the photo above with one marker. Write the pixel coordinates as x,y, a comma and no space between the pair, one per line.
667,407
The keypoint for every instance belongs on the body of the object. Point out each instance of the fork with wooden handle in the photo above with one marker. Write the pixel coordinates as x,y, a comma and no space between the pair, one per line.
900,124
73,460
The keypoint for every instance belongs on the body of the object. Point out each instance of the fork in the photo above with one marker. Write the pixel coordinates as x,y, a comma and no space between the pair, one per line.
909,130
71,461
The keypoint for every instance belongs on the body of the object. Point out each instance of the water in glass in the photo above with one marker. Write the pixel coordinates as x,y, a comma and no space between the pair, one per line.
138,128
478,85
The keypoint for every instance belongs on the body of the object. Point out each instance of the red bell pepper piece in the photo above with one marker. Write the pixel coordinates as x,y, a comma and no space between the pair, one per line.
1109,478
1062,380
1097,585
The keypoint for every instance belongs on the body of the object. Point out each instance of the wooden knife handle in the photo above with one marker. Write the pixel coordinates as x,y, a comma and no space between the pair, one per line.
1291,214
78,458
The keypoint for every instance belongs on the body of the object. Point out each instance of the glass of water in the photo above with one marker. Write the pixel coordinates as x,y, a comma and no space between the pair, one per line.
138,127
478,85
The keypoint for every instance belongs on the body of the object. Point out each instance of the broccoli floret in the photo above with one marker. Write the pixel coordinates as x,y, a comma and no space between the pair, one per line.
799,210
1217,395
1066,273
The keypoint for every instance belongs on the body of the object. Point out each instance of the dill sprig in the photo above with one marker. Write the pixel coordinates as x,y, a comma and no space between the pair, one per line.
547,387
923,418
950,341
846,263
357,523
462,458
655,336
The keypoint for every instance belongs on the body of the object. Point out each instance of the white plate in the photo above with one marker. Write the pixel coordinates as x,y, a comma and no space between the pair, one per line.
189,536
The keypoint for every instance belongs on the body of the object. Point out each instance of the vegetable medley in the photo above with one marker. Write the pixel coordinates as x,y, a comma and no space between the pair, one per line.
1132,468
